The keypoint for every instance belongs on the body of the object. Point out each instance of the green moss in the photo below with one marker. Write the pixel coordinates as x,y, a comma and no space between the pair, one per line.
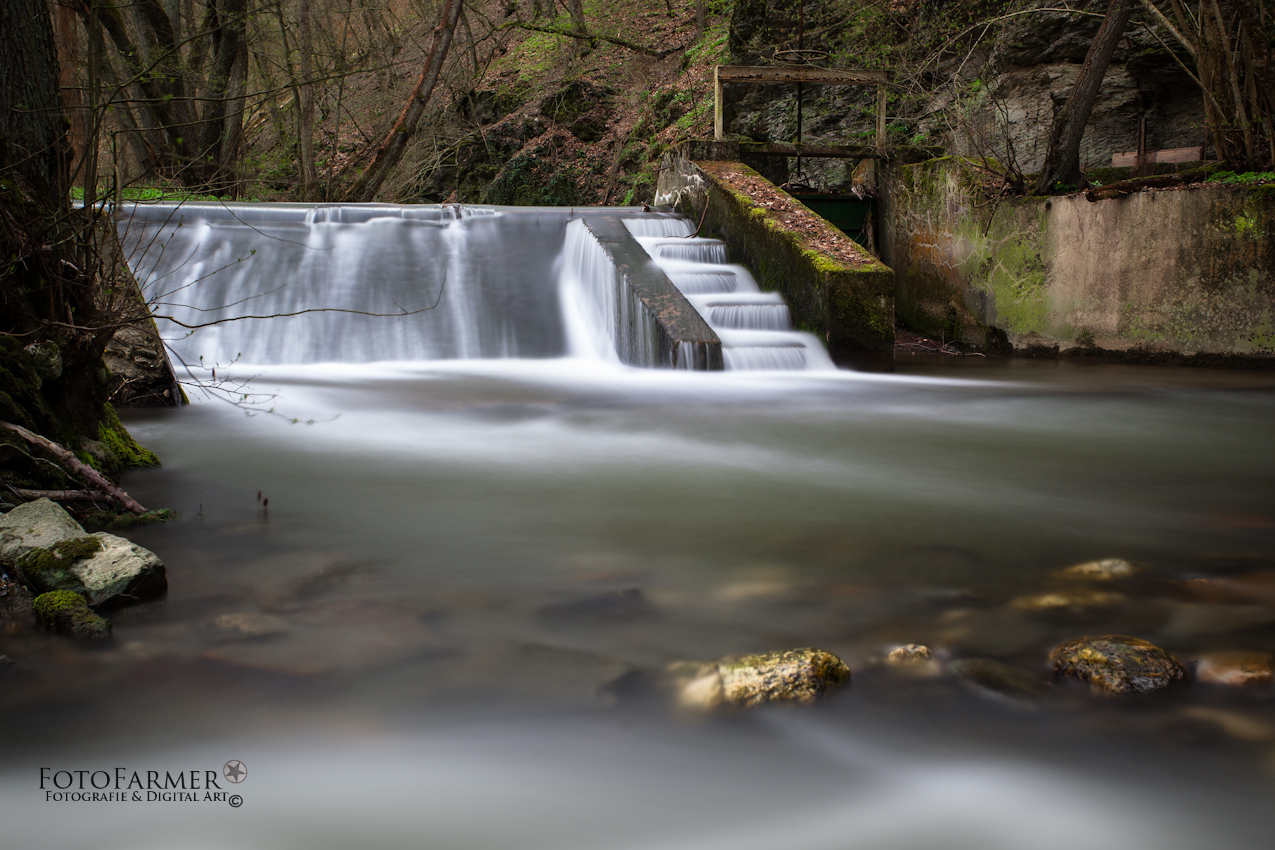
68,613
115,436
49,605
50,569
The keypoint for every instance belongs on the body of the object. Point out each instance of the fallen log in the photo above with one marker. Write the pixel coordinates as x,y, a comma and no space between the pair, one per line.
73,463
1128,187
60,495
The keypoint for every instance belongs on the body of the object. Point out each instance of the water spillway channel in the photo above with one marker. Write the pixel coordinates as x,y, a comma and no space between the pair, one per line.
755,327
494,527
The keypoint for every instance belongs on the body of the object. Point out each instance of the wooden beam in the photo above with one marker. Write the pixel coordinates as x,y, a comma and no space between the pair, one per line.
824,151
881,120
718,128
797,74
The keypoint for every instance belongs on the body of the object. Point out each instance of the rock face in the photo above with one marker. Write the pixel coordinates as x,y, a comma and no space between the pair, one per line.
141,375
67,613
799,675
1117,664
51,552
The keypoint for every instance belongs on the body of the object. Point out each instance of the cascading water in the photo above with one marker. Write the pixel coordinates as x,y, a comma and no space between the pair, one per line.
755,327
603,317
491,274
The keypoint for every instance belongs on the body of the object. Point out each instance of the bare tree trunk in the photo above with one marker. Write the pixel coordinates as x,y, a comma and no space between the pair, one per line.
305,114
32,137
391,149
67,36
1062,162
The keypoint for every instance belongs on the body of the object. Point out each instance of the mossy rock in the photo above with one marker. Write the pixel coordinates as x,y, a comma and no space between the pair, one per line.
50,569
796,675
67,613
1117,664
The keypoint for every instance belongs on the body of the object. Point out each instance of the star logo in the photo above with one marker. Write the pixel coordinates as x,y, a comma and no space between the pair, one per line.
235,771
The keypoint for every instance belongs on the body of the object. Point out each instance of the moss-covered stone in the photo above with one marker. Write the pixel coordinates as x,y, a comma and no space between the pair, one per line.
67,613
797,675
128,453
1117,664
51,569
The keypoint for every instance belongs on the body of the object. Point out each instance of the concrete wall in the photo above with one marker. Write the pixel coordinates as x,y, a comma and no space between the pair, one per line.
850,307
1183,270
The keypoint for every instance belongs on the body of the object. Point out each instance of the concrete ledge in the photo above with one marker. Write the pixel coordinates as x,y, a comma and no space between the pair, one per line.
833,288
683,339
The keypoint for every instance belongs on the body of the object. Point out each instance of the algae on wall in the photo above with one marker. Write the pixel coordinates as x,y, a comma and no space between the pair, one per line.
1188,270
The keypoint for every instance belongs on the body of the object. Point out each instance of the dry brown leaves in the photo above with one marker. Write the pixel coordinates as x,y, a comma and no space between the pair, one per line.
816,232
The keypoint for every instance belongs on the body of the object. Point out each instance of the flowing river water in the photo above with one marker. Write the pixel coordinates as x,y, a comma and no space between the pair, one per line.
475,538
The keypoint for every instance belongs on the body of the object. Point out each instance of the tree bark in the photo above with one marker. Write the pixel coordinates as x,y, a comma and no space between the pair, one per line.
1062,162
32,136
391,149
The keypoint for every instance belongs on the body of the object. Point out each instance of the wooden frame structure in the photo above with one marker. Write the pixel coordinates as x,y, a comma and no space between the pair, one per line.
723,74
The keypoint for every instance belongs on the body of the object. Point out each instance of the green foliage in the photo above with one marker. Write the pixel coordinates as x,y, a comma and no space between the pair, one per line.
1248,178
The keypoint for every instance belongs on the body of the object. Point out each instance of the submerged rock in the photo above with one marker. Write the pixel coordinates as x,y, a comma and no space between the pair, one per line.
1117,664
67,613
1107,569
799,675
250,626
1068,599
998,678
615,605
1237,669
908,653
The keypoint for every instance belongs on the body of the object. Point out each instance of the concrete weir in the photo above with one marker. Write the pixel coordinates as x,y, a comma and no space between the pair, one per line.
680,338
834,289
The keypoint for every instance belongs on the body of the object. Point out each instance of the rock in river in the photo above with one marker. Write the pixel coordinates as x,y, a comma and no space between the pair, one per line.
1117,664
51,552
799,675
1108,569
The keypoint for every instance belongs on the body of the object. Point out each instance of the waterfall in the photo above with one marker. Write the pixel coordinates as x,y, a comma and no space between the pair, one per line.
604,318
755,327
490,272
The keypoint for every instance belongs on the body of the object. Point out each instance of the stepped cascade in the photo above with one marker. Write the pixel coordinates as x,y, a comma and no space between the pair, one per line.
754,326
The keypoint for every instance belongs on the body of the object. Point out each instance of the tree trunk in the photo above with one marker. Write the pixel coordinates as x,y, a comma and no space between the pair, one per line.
305,113
67,37
391,149
1062,162
32,136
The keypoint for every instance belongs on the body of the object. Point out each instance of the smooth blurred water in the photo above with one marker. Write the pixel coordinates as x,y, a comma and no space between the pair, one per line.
440,559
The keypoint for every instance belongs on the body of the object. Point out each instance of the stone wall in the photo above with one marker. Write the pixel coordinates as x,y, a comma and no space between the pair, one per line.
1182,270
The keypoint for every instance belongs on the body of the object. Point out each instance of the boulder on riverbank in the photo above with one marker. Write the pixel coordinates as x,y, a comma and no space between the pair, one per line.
797,675
50,551
1117,664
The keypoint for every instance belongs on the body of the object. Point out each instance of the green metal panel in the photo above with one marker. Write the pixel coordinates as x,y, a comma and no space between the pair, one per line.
846,213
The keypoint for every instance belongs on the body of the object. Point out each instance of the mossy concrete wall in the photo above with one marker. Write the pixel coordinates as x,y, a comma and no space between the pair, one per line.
1183,270
850,307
